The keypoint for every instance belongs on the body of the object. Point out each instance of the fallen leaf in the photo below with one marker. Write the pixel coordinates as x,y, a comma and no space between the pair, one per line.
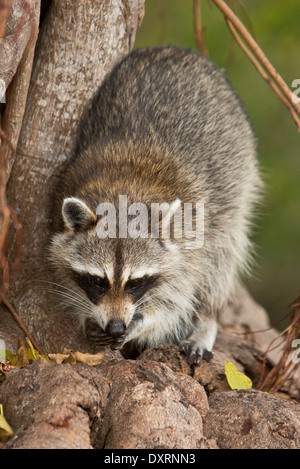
5,429
235,378
89,359
21,357
62,358
24,355
67,356
10,357
34,353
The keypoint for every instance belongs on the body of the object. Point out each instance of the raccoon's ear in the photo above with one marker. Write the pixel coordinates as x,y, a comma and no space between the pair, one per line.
161,226
174,206
169,215
76,214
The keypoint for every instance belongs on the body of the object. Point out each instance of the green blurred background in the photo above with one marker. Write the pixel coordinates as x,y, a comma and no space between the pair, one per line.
275,24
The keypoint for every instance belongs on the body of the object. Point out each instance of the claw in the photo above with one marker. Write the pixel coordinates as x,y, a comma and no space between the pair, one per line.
207,355
195,354
194,359
117,343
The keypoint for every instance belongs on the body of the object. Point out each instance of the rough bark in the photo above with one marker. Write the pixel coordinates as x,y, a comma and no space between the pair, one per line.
249,419
55,405
150,407
79,407
78,44
154,402
20,20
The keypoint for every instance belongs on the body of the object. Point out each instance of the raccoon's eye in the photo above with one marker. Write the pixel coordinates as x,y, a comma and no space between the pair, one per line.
99,282
134,284
137,287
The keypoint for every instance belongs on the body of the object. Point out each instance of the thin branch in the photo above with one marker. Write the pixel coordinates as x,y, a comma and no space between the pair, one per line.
261,71
199,36
21,325
262,63
284,370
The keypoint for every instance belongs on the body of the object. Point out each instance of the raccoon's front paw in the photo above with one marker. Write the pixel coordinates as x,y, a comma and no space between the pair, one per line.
198,346
195,352
95,333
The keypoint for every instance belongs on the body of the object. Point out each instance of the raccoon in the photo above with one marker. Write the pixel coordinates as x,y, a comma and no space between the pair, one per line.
164,130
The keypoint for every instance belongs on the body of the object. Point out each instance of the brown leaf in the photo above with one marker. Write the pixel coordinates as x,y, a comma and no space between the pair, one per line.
67,356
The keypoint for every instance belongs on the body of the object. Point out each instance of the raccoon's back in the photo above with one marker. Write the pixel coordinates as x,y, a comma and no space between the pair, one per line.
171,97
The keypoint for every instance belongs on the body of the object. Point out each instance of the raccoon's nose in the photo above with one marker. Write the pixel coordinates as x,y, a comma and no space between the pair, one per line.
115,328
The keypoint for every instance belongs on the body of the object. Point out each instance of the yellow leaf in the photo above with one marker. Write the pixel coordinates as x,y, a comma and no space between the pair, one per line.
24,355
235,378
5,429
34,353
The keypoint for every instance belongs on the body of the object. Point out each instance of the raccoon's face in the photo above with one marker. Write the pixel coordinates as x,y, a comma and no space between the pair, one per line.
107,282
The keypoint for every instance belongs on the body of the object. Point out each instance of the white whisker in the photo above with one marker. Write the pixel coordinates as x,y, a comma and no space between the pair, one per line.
74,292
71,298
145,299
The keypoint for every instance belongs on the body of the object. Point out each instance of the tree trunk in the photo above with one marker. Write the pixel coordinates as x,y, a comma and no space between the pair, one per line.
78,44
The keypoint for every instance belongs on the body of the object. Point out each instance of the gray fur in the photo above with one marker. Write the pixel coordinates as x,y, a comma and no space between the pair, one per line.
164,125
